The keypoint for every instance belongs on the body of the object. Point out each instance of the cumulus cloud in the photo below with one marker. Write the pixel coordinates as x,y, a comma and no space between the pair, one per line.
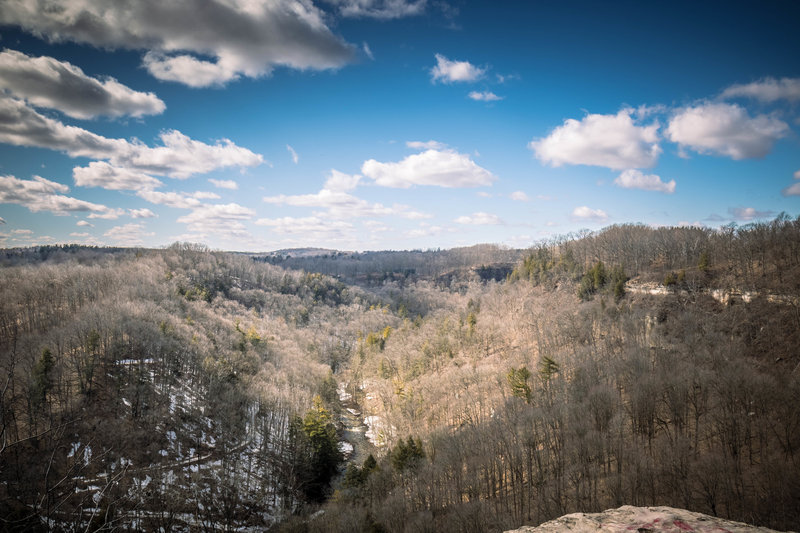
141,213
48,82
101,174
725,129
441,168
379,9
179,156
747,214
587,213
612,141
635,179
83,223
519,196
480,219
224,184
339,181
128,235
40,194
295,157
241,38
484,96
448,71
766,90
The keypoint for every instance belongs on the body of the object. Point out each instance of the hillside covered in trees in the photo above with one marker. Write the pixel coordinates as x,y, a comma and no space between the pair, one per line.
476,389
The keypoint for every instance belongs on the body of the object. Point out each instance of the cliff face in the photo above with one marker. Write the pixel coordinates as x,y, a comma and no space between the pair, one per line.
642,520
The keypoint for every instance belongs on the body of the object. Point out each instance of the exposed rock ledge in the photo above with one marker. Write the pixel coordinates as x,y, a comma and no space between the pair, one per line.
642,520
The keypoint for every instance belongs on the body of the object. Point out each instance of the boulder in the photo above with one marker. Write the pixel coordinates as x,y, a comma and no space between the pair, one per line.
642,520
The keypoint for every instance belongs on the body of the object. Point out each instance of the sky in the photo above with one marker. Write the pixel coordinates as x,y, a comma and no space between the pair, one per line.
258,125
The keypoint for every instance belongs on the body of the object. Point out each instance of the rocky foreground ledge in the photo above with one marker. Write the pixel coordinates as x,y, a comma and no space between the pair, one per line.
642,520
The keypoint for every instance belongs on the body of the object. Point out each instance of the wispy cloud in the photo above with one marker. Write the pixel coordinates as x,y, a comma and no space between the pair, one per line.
748,213
379,9
480,219
293,154
766,90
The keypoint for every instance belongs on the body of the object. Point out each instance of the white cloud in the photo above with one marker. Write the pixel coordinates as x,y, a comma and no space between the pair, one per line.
242,38
224,184
448,71
484,96
205,195
179,200
141,213
221,219
480,219
339,181
426,145
748,213
367,50
379,9
793,190
342,205
128,235
725,129
22,232
79,235
178,157
635,179
40,194
295,157
441,168
312,227
519,196
424,231
766,90
48,82
83,223
101,174
2,220
587,213
612,141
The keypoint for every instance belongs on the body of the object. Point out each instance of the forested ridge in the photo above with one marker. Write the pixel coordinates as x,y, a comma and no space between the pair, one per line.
187,389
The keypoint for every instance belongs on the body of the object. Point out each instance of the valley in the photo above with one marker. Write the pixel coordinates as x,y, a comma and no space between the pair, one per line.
474,389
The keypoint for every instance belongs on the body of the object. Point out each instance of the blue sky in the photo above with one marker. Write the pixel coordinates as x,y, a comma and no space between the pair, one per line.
391,124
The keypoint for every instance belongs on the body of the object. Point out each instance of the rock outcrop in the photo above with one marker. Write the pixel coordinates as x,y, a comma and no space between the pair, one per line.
642,520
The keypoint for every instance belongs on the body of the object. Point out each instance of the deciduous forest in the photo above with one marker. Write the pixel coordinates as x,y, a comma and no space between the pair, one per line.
475,389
